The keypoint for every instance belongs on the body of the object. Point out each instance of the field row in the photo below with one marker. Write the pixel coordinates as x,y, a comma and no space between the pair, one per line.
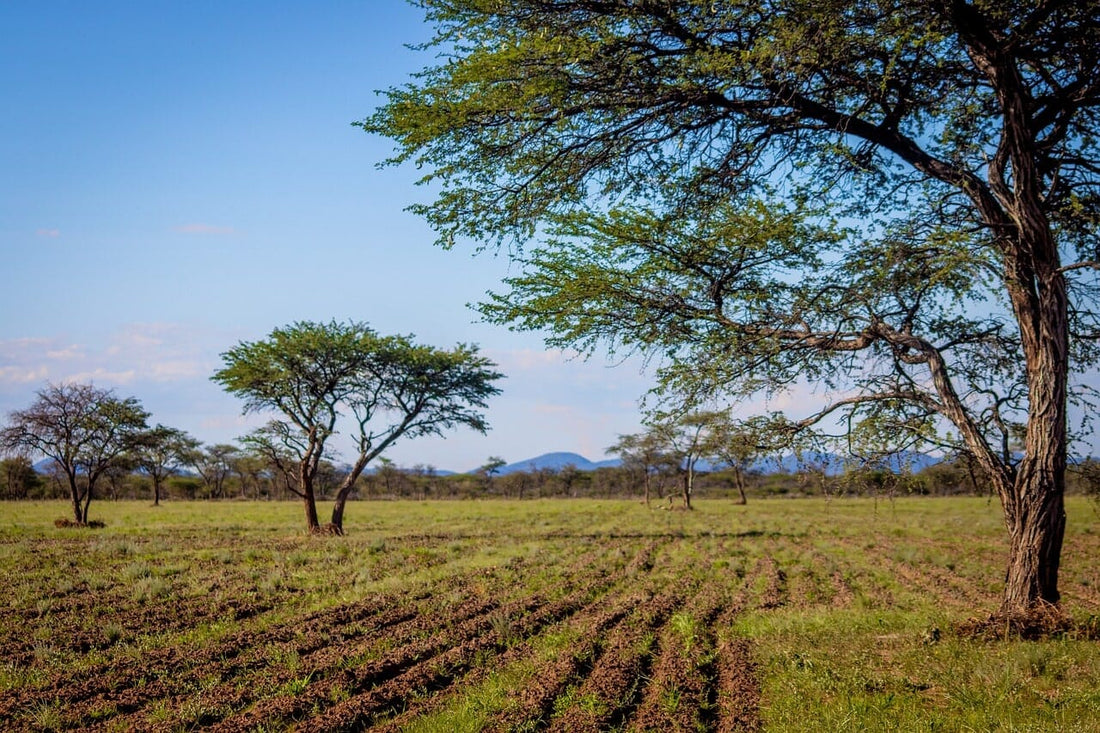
529,626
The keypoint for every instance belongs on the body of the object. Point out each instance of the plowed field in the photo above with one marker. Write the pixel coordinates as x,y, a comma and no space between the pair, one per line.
560,616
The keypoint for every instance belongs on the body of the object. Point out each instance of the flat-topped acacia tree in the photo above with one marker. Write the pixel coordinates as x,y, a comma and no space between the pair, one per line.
318,376
896,198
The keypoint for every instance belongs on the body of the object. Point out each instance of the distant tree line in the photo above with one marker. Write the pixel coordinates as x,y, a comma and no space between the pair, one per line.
230,472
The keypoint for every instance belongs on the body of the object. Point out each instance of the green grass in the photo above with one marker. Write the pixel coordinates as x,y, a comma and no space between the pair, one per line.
872,663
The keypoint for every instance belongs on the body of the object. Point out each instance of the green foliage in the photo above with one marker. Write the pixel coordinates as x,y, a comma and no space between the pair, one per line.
897,202
759,194
312,374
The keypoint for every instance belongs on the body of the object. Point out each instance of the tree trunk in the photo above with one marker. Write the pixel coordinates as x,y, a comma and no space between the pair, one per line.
87,501
344,491
689,481
79,511
1034,508
1034,504
305,481
1036,525
310,504
739,480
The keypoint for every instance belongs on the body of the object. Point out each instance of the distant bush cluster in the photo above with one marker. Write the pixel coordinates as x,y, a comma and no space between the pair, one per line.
245,477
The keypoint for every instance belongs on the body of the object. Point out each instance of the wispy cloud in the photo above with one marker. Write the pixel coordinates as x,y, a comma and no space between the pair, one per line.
101,375
22,375
66,353
160,353
47,233
204,229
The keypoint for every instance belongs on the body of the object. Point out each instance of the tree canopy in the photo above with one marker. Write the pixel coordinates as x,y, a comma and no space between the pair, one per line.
85,430
897,199
314,374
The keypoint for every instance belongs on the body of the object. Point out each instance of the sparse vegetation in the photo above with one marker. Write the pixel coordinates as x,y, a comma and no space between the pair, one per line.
537,615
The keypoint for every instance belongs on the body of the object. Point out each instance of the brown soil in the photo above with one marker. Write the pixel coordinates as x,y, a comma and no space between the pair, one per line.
611,690
738,688
678,691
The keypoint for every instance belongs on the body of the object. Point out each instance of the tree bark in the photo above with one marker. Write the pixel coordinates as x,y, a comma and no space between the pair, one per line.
1036,524
1035,508
689,483
305,479
78,514
344,491
80,510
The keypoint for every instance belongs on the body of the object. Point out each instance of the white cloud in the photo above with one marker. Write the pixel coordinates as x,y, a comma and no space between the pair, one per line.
67,353
158,352
101,376
47,233
22,375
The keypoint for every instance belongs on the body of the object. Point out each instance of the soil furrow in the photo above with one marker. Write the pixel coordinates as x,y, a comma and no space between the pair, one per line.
611,691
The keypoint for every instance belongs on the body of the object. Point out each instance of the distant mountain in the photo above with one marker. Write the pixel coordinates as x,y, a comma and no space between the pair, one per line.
556,462
832,464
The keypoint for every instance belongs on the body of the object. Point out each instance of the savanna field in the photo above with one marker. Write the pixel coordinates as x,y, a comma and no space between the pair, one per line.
561,615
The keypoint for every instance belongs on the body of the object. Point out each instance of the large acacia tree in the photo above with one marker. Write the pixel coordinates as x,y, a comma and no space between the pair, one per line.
895,197
85,430
320,376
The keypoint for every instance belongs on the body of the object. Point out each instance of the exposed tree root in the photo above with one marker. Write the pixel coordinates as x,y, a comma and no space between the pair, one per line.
1043,621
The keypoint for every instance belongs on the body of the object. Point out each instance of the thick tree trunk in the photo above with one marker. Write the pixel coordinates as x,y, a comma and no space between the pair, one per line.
739,478
1035,510
1034,505
1036,526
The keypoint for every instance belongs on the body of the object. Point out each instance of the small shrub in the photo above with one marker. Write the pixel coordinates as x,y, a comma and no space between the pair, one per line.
112,633
69,523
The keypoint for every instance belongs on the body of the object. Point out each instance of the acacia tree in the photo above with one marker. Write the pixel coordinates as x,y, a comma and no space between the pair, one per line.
83,429
215,465
490,469
689,439
648,454
694,159
161,452
737,445
385,387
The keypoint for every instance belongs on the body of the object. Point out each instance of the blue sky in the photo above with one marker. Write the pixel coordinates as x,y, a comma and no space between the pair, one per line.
177,177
